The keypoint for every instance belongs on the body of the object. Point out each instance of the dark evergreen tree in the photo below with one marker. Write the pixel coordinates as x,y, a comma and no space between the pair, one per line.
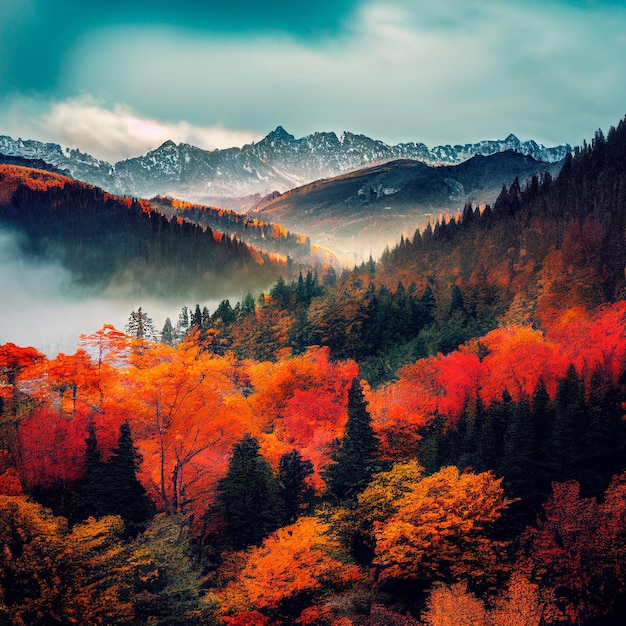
491,443
354,461
124,495
456,300
432,446
603,440
224,314
206,318
281,293
296,493
519,443
330,278
310,285
569,423
475,423
248,305
196,318
427,306
140,325
248,498
183,319
542,416
93,483
300,291
299,332
167,334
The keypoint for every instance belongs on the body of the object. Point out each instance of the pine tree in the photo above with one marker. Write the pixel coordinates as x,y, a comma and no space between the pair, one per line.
124,494
196,318
167,334
183,319
569,422
475,425
432,445
296,493
330,278
247,497
92,487
426,308
491,443
206,318
602,441
224,315
140,325
456,300
248,306
519,443
354,462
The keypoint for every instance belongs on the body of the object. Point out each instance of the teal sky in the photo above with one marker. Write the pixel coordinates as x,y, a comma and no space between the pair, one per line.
117,78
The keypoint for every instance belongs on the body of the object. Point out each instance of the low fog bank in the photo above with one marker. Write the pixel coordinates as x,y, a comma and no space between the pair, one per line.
41,307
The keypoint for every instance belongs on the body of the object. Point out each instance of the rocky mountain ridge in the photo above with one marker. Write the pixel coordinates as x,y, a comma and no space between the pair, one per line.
278,162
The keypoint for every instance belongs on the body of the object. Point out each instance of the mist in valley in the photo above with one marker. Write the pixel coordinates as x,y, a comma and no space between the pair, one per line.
41,305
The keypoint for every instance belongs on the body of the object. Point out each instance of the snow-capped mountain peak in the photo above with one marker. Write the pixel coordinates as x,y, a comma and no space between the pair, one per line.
279,161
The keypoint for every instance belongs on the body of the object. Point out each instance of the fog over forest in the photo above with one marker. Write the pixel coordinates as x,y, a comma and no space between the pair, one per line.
43,308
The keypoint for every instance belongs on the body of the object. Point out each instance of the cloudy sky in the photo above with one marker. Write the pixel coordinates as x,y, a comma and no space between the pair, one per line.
117,78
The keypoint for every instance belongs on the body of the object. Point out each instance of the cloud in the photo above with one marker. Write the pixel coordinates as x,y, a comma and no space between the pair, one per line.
455,71
401,70
113,132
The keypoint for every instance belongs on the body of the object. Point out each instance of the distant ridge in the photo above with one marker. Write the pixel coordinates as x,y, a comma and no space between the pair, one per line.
278,162
363,211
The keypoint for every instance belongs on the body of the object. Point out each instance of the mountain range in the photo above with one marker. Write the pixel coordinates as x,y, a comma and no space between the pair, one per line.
278,162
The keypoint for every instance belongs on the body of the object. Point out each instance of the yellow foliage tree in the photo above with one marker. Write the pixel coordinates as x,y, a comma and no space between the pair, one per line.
440,530
454,606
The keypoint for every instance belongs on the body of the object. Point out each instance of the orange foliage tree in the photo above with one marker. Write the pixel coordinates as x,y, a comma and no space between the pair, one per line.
70,373
440,530
296,560
14,363
517,357
454,606
302,401
186,413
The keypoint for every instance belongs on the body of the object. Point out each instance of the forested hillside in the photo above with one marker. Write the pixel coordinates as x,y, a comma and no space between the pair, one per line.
434,439
258,233
553,245
366,209
539,251
122,244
